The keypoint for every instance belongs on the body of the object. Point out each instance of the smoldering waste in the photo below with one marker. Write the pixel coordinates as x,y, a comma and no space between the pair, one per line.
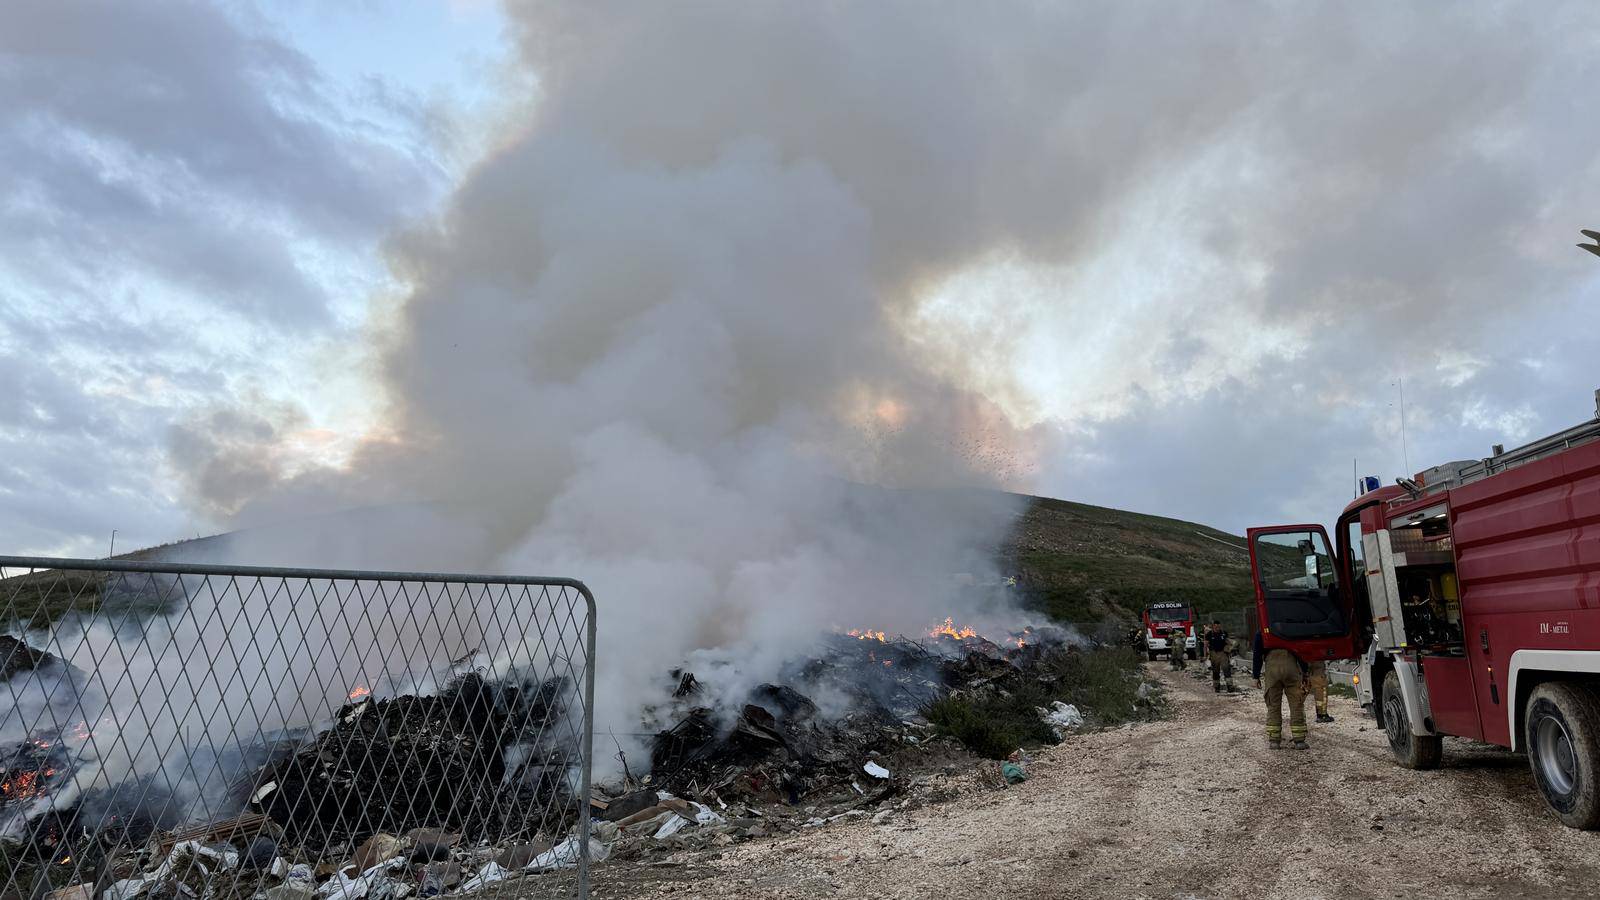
837,737
394,796
423,795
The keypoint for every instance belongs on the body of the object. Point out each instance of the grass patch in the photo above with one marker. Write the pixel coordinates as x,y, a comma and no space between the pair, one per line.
1336,689
37,599
1103,683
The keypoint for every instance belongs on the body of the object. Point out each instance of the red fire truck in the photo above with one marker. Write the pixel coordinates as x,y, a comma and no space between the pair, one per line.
1160,619
1471,593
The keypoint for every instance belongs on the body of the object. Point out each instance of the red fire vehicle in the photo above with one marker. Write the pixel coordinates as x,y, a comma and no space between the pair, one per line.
1160,619
1471,593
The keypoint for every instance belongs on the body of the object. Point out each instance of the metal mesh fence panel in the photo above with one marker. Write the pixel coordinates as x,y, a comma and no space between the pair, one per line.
182,731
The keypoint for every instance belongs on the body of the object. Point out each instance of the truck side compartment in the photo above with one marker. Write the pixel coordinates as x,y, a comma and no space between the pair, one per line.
1528,560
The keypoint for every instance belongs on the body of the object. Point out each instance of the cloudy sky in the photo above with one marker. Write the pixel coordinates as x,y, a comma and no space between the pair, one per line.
264,257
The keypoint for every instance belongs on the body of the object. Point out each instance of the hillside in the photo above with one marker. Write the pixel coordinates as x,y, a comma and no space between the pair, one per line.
1082,563
1072,561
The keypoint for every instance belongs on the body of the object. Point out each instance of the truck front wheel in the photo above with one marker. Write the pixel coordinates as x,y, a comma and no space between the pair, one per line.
1563,739
1413,751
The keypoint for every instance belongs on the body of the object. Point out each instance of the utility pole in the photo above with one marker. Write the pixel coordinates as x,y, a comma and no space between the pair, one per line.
113,551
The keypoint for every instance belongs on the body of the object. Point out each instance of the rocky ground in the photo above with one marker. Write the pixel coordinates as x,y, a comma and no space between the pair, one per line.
1195,806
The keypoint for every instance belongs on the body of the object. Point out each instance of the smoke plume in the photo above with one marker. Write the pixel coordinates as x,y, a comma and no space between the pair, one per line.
660,337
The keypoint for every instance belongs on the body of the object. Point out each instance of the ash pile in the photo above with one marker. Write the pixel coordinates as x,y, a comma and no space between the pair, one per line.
839,736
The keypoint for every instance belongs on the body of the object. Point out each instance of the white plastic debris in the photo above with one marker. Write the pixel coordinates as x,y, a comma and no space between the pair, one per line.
565,854
344,887
705,815
672,827
1061,717
875,770
263,791
489,874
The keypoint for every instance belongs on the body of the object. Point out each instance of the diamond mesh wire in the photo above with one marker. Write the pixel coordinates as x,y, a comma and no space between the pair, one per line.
173,731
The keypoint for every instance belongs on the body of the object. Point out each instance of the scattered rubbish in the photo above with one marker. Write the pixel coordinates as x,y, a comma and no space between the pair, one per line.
489,874
380,848
430,844
565,854
386,801
438,878
671,827
519,855
75,892
622,807
1061,717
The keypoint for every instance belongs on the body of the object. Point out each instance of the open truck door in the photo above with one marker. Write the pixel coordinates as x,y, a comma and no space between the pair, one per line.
1301,601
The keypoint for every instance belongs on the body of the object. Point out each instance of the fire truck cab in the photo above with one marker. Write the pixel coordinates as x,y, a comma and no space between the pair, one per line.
1470,593
1159,619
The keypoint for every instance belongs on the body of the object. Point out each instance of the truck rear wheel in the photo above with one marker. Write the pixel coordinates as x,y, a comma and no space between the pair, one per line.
1563,739
1412,751
1153,654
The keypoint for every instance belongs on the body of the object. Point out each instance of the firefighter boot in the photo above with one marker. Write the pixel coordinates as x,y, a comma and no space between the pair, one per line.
1301,745
1323,717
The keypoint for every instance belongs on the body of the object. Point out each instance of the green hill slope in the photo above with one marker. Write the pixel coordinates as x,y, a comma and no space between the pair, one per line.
1082,563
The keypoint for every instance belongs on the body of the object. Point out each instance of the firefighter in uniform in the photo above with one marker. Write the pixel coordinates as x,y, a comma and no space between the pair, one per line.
1284,676
1317,677
1176,641
1219,652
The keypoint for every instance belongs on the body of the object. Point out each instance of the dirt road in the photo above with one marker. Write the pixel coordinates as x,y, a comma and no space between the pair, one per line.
1192,807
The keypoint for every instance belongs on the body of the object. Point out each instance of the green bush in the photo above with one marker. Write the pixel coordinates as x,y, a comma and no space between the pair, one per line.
990,726
1103,683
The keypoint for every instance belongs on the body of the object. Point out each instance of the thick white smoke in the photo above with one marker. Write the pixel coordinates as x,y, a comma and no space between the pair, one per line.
676,374
659,334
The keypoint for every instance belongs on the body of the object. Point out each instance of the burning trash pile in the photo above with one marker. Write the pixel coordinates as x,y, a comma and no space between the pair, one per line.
455,760
839,734
395,796
475,781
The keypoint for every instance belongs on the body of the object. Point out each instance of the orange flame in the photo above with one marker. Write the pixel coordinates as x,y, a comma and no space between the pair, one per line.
24,785
949,629
360,691
868,635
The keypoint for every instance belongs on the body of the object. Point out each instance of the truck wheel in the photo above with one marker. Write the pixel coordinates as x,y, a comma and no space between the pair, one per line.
1563,739
1153,654
1410,750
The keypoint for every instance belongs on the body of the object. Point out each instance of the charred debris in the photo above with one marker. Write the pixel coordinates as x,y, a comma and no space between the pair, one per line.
476,783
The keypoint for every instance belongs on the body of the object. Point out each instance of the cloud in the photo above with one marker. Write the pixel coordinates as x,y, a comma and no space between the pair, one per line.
191,211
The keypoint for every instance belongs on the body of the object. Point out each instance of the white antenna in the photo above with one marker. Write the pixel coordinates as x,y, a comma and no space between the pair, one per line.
1405,452
1355,480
